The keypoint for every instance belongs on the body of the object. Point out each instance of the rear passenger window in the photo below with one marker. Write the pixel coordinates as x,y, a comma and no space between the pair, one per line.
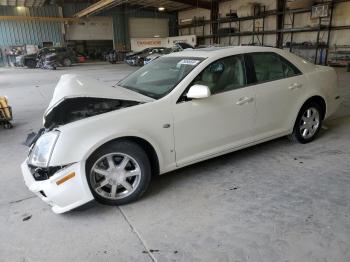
288,68
271,66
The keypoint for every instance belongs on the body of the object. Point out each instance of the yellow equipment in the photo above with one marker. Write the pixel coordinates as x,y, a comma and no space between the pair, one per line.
5,113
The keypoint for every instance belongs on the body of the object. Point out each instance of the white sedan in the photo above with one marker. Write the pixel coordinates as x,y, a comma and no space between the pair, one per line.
105,143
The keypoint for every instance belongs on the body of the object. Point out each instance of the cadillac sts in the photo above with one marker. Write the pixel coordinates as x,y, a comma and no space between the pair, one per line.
105,142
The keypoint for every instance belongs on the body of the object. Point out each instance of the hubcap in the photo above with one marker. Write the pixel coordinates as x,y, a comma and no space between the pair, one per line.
309,122
115,176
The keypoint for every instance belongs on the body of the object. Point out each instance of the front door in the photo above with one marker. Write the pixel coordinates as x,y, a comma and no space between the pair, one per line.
225,120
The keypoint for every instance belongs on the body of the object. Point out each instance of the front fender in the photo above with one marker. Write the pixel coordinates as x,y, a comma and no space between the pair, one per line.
78,140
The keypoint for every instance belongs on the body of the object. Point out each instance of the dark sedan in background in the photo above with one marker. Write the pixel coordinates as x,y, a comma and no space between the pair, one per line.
148,54
137,58
65,57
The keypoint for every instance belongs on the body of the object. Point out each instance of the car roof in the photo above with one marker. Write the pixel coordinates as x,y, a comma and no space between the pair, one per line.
215,51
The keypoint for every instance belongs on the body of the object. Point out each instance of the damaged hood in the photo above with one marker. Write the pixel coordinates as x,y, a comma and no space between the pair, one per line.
77,86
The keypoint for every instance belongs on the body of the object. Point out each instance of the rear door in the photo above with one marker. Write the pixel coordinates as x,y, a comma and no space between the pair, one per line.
277,85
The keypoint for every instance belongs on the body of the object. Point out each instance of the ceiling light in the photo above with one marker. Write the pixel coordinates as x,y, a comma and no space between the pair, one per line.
161,8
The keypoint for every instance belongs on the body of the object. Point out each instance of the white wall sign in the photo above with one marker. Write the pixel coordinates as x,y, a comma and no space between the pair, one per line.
138,44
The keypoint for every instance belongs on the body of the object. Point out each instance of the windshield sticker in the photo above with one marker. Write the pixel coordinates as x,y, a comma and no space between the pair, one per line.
189,62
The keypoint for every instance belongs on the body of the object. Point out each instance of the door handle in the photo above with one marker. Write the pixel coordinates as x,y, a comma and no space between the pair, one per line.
294,86
244,100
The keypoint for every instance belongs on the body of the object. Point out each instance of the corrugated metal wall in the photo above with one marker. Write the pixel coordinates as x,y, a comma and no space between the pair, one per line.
29,32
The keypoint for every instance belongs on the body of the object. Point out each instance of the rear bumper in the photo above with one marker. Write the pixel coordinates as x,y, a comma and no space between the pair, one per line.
65,196
332,105
130,61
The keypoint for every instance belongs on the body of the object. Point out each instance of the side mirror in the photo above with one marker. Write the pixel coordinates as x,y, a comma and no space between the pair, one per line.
198,91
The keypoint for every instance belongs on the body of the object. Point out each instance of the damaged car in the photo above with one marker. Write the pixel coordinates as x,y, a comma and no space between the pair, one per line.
63,57
105,143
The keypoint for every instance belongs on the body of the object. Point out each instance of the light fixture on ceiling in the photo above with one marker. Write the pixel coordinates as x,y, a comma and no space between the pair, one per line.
161,8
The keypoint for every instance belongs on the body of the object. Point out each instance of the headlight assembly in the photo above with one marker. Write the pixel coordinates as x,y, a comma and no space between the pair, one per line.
42,150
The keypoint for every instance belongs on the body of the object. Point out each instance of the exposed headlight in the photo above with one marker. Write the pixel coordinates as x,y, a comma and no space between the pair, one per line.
41,152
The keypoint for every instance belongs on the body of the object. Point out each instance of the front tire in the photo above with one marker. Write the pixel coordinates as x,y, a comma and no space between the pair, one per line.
308,123
118,173
31,63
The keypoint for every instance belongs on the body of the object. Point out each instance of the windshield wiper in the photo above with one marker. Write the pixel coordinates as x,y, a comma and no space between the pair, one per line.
142,92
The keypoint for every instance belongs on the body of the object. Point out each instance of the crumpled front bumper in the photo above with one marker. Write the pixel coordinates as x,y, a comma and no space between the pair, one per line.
65,196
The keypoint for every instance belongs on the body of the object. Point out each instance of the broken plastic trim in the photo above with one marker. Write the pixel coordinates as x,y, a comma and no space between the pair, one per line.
44,173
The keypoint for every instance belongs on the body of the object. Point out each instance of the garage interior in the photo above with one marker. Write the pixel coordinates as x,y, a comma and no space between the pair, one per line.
277,201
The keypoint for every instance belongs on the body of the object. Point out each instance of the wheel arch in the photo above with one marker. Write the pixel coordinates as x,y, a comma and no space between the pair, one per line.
320,101
146,145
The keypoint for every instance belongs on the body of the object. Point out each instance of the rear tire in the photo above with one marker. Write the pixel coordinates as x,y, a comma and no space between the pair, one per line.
308,123
118,173
8,125
140,62
67,62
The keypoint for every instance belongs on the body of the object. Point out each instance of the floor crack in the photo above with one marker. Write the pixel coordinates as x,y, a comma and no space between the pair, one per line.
152,257
22,199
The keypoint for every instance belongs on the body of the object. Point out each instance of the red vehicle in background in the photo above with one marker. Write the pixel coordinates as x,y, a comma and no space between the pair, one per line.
81,58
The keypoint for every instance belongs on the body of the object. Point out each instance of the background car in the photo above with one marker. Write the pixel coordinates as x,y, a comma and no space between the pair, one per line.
156,53
160,52
137,59
65,56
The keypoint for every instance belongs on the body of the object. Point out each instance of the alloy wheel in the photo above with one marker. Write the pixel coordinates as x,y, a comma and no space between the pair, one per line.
115,176
309,122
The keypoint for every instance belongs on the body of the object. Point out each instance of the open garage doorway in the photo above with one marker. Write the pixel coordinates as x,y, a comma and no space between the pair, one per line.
92,37
93,49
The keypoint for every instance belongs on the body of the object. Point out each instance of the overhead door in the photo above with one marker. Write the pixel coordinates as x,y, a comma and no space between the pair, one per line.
94,28
148,27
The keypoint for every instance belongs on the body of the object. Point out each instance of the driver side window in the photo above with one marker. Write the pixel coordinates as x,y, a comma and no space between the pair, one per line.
223,75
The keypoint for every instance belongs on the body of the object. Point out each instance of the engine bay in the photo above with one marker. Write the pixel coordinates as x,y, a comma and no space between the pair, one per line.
75,109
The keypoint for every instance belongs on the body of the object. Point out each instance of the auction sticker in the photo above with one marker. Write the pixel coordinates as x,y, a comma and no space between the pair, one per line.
189,62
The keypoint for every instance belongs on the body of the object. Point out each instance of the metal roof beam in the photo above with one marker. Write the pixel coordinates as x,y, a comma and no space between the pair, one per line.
195,3
97,7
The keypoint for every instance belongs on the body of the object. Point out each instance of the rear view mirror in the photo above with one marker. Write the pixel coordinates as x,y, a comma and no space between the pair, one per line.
198,92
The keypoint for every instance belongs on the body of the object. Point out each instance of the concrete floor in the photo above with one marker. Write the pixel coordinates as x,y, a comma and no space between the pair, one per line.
274,202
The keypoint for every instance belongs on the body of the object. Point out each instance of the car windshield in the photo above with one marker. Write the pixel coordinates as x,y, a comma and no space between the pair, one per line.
158,78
